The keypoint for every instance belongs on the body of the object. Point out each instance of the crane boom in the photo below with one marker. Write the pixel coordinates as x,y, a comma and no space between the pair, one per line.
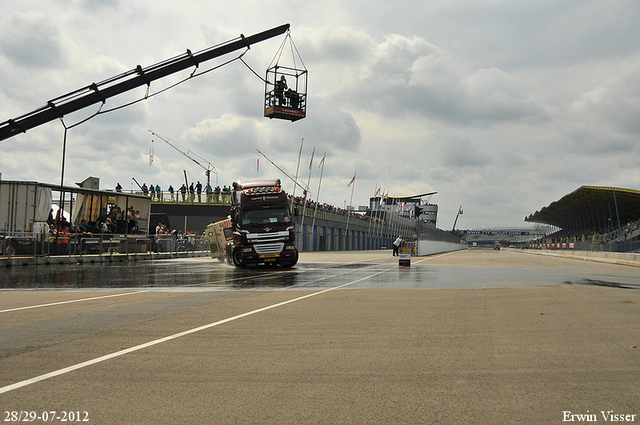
100,92
208,169
300,185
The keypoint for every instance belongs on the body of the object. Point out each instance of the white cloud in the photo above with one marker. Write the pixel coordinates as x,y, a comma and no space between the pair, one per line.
31,40
500,106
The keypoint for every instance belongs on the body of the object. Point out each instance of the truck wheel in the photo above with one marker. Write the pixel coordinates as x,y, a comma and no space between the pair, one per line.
228,252
291,263
235,257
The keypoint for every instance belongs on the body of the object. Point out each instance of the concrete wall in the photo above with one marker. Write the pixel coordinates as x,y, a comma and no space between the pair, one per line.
437,247
629,259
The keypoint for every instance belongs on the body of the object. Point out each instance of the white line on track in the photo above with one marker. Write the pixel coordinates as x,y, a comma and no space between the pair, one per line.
171,337
69,302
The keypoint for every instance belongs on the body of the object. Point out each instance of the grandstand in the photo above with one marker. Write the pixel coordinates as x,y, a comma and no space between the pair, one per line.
507,236
593,218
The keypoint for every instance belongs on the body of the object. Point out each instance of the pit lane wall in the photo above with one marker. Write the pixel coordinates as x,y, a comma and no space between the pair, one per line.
437,247
431,240
330,231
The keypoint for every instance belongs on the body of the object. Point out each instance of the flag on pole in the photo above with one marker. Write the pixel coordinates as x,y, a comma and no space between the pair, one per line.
352,180
258,166
312,153
322,160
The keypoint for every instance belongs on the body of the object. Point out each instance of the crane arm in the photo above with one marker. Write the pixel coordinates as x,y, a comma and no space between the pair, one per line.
189,154
100,92
300,185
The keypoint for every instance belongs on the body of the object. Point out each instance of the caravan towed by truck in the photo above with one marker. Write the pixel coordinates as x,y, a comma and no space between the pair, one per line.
259,230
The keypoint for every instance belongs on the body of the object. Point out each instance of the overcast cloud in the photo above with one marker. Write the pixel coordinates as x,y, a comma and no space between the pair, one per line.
499,106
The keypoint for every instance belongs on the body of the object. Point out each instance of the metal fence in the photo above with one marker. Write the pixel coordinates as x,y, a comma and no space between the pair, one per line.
43,245
609,246
179,198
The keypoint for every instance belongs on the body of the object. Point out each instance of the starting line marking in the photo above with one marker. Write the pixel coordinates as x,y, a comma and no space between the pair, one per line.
68,302
170,337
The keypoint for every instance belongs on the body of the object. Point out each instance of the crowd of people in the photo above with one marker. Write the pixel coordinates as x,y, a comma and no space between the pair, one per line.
114,220
195,192
299,203
183,193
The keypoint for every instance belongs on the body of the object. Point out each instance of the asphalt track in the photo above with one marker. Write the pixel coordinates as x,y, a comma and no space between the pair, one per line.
482,337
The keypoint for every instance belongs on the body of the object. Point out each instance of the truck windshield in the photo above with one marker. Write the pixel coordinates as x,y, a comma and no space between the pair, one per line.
267,216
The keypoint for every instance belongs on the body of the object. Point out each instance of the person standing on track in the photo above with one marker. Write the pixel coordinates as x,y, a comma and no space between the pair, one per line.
396,245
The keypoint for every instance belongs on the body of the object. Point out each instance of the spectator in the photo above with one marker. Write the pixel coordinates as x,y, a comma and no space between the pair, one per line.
199,190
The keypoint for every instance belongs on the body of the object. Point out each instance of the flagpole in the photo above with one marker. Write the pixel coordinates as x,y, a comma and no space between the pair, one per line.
394,228
304,206
293,194
313,224
381,223
346,232
371,218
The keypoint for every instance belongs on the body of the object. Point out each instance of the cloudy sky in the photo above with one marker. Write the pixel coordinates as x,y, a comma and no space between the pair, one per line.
500,106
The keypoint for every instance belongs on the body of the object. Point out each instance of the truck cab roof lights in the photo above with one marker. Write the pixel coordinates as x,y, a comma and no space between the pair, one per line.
262,190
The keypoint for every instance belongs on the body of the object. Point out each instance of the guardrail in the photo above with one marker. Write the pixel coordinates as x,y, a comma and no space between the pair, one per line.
38,245
609,246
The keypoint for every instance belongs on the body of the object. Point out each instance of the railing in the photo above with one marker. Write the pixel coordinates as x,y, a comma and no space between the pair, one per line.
164,197
602,246
339,217
104,244
621,233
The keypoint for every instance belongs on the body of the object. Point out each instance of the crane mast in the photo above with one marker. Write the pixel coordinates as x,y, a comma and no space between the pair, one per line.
100,92
208,169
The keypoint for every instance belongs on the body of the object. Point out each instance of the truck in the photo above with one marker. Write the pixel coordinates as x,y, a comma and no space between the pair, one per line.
261,228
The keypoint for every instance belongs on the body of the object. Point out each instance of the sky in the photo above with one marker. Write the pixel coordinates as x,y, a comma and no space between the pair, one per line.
500,107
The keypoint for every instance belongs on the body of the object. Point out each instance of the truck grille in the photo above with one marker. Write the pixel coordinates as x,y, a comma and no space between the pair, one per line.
265,248
267,237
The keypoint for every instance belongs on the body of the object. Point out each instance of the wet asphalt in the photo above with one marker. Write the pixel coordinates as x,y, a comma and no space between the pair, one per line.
477,337
317,271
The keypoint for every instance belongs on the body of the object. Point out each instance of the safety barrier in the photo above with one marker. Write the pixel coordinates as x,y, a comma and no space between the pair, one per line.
45,248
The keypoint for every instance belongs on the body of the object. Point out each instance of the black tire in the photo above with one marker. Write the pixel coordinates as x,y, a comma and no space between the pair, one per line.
290,263
228,251
235,257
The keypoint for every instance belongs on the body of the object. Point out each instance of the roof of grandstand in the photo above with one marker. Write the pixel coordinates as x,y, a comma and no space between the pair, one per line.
412,196
591,208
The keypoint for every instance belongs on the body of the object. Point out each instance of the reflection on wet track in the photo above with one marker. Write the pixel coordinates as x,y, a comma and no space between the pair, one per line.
202,273
206,274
